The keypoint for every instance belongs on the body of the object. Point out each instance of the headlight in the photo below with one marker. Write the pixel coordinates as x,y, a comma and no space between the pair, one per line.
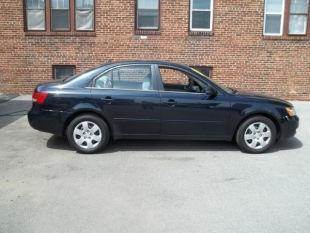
290,111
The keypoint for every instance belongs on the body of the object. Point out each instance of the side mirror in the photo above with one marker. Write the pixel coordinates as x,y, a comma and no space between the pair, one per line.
210,92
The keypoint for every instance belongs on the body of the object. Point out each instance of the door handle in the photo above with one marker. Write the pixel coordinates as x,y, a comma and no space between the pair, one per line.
170,102
107,99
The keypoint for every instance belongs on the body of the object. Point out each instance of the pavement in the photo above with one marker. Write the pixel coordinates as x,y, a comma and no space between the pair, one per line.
12,107
153,186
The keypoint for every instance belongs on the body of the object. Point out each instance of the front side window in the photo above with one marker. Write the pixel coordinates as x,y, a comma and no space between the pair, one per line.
60,15
201,14
35,11
84,15
274,14
298,17
136,77
148,14
178,81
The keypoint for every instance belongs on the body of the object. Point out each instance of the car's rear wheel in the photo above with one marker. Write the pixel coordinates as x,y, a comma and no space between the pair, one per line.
256,134
88,133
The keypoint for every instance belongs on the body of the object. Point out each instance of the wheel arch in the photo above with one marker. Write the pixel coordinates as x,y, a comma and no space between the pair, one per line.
264,114
83,112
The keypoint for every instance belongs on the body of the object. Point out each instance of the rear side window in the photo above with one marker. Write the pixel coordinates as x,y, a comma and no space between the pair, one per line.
135,77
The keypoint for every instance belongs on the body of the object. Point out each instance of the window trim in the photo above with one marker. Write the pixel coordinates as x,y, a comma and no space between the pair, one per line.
145,28
48,22
191,17
54,67
273,13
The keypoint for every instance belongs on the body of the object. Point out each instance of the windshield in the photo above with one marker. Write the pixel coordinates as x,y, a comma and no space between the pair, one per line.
227,89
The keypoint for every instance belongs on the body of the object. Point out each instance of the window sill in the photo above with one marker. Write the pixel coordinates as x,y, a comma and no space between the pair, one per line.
76,33
146,32
200,33
288,37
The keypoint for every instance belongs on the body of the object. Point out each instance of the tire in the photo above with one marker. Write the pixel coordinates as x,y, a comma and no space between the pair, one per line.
88,134
252,135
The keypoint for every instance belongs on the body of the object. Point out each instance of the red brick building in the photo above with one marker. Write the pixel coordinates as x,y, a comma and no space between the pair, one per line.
257,45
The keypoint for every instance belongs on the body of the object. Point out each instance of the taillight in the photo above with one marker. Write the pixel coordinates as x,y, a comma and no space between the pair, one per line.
39,97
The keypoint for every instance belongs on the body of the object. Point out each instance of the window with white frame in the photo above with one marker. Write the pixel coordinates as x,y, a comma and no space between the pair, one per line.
147,14
274,16
201,15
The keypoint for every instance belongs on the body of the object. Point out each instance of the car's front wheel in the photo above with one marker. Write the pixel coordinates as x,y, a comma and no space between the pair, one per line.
256,134
88,133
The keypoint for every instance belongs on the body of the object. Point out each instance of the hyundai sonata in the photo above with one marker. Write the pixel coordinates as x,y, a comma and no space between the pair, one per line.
157,100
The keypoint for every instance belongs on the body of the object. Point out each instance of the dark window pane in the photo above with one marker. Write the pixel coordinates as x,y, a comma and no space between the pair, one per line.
60,20
84,19
201,19
63,72
148,4
273,24
147,18
35,19
84,4
202,4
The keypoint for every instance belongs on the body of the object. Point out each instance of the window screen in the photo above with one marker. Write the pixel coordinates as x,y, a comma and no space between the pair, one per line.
201,15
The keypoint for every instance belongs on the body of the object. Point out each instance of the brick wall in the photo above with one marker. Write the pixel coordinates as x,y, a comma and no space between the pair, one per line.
238,53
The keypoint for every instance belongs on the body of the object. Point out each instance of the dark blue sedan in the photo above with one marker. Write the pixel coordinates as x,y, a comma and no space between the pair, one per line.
157,100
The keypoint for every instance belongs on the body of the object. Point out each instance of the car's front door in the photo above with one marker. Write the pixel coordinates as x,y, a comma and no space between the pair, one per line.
187,110
129,98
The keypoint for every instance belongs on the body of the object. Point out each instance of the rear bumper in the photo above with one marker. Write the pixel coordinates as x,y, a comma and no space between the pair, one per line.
289,126
46,121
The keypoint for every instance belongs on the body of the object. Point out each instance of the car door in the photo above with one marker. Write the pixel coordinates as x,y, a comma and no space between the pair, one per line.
190,113
128,97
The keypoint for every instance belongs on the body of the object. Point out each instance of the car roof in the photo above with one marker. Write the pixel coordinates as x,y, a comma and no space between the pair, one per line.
156,62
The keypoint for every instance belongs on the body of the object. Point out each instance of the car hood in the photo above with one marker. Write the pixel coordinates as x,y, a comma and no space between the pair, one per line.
264,98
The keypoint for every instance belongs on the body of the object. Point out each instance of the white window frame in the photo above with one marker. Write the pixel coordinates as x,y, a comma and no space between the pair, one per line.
137,17
274,13
211,17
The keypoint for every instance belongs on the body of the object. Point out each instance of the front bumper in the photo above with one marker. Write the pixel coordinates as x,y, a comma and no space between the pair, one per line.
289,126
46,120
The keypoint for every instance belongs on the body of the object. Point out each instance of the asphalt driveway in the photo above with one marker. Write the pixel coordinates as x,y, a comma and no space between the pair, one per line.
155,186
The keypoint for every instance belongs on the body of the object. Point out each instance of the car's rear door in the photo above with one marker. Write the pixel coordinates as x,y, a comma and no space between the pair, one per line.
129,98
